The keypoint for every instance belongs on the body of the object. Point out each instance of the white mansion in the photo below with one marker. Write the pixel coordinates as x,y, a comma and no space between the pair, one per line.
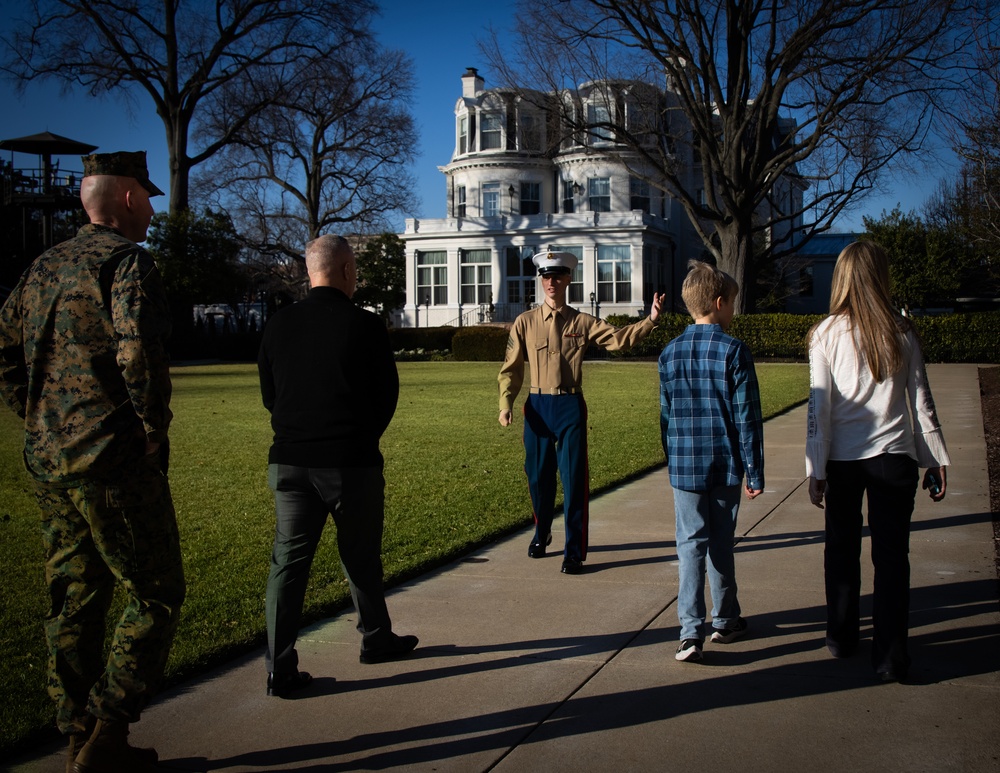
512,191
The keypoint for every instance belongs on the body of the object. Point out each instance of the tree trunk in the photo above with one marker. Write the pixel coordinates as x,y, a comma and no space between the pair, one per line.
735,247
180,174
180,164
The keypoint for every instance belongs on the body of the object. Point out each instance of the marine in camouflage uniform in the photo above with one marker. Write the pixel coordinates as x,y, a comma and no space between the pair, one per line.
83,361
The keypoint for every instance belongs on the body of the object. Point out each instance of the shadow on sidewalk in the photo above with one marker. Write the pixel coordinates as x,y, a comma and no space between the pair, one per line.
943,652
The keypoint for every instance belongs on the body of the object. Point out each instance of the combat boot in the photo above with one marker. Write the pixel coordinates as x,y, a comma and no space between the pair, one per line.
108,751
76,742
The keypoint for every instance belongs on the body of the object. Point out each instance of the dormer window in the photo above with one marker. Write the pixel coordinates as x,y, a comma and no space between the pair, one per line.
491,131
463,134
598,118
530,134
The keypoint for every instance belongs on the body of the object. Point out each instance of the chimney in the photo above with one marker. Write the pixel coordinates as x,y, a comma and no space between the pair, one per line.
472,83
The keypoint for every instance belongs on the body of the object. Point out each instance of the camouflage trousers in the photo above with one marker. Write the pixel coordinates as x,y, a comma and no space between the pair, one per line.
97,535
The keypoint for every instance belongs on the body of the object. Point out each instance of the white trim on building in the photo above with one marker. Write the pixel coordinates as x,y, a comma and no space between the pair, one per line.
514,186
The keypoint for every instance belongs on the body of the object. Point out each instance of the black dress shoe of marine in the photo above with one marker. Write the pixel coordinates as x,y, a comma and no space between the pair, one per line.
397,648
283,686
572,566
537,548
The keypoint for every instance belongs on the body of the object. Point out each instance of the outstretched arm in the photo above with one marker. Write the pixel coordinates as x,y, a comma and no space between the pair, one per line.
654,313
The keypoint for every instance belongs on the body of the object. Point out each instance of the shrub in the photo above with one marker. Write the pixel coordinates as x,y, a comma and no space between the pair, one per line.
780,336
427,338
484,343
971,337
422,355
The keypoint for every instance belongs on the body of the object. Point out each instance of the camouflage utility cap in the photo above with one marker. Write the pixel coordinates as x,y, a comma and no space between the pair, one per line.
121,164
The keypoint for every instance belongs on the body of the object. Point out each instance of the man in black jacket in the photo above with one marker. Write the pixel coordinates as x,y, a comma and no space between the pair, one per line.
328,378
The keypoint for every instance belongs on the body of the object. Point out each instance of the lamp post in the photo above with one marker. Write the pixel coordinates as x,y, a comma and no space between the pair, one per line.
593,298
427,310
510,194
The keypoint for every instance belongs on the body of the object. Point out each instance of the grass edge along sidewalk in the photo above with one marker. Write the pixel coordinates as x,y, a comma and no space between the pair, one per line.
454,481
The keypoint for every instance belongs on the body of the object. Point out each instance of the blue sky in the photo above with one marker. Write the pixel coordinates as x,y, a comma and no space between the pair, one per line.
441,39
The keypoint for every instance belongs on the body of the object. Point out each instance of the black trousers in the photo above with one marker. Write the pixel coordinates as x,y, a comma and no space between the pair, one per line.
304,497
890,483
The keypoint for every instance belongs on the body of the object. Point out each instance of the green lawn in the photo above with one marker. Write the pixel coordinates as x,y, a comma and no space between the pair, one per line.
454,480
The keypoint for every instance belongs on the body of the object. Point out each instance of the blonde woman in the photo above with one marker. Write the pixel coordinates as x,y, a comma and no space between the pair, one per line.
867,380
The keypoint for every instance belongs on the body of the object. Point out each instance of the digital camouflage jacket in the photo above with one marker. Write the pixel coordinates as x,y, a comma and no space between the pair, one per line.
83,356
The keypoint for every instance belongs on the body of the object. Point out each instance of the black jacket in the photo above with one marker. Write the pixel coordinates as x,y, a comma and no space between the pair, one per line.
328,377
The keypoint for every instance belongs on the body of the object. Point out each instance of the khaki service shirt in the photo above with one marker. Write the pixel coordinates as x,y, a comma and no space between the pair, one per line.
555,357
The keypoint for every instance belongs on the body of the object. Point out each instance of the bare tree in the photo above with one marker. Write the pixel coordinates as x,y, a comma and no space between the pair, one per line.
828,93
330,152
181,54
979,145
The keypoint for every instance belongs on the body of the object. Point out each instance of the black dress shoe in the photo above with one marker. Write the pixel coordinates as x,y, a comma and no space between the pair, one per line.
572,566
889,674
282,686
536,549
840,649
397,648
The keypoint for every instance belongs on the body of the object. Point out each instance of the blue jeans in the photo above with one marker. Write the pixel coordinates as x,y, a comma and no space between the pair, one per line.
706,525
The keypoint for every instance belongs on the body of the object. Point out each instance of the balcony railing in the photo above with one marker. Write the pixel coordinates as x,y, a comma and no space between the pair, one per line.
41,186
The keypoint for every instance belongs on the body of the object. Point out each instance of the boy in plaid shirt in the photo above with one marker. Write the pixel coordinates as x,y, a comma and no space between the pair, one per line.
713,435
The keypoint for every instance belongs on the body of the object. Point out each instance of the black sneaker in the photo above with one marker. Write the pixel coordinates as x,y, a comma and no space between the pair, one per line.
736,631
689,651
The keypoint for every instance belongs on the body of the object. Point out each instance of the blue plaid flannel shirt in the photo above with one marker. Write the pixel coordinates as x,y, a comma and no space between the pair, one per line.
710,419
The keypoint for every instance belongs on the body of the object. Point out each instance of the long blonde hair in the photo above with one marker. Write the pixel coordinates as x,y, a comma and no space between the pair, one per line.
860,290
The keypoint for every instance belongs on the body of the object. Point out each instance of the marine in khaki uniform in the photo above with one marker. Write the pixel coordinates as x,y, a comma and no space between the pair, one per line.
552,338
83,362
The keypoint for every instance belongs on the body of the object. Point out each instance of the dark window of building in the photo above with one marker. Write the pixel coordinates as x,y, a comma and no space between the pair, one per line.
638,194
531,198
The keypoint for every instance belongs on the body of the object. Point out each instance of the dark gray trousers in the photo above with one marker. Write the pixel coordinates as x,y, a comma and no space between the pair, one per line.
303,498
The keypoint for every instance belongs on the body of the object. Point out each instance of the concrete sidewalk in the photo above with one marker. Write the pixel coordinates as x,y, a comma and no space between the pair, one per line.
521,668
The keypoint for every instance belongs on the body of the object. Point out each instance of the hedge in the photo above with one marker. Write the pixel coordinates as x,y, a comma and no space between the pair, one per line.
480,343
967,337
971,337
